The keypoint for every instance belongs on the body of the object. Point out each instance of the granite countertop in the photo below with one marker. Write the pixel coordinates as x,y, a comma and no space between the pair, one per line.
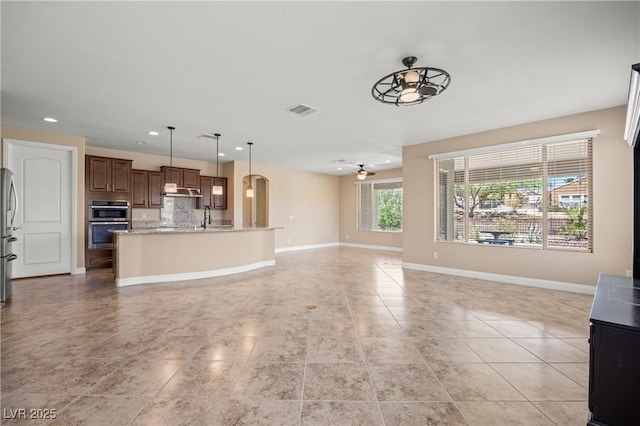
190,230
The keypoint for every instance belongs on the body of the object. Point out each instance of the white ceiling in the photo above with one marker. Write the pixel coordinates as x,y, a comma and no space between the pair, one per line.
112,71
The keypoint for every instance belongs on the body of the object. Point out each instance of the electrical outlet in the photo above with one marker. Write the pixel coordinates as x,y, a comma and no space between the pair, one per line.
144,215
290,217
435,254
288,240
629,273
347,236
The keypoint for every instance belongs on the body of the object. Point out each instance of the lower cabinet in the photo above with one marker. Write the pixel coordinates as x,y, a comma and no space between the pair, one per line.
99,259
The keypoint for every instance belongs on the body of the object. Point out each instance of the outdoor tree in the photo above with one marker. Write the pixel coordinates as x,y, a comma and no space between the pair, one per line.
390,210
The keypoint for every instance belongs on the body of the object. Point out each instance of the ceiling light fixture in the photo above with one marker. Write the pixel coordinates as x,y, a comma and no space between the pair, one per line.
153,133
362,173
250,188
239,148
217,189
411,86
50,120
170,188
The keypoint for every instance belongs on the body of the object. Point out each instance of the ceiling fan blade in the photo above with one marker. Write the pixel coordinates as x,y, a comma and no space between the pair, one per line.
371,173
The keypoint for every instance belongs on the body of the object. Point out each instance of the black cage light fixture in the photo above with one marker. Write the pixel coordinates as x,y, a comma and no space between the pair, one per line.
411,86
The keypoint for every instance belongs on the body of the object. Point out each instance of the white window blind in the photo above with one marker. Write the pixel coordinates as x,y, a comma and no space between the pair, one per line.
537,195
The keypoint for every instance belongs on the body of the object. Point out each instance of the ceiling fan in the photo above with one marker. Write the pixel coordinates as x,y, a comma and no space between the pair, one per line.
362,173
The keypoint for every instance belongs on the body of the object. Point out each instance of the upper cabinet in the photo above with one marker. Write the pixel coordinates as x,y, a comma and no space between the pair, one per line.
184,178
108,174
217,202
147,189
191,178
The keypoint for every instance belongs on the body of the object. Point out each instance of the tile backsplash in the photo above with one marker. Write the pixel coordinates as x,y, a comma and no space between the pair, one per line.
177,211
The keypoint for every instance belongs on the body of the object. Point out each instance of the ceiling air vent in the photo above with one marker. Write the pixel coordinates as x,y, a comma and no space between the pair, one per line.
303,109
207,136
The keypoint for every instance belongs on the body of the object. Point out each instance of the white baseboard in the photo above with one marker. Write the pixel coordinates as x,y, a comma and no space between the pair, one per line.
509,279
372,247
148,279
81,270
324,245
308,247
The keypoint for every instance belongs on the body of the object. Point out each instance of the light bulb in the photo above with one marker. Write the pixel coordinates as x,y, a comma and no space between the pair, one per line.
249,192
411,77
362,175
410,94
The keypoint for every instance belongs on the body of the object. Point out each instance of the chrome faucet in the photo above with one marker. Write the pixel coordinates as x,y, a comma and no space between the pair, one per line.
206,217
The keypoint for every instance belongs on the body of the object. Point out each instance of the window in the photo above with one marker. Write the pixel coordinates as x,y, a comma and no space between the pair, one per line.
537,195
380,205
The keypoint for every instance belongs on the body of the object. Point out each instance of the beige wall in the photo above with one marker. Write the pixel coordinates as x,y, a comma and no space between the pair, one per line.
306,204
66,140
349,232
612,206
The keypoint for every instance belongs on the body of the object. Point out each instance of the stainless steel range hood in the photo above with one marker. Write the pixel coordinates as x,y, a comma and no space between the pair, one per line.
185,192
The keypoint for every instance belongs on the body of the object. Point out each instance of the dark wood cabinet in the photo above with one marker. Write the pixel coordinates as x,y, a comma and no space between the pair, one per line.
147,189
184,178
105,174
191,178
140,188
217,202
614,357
155,187
173,175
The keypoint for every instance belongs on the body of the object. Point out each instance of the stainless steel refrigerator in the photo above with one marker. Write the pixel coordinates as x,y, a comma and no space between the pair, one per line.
8,211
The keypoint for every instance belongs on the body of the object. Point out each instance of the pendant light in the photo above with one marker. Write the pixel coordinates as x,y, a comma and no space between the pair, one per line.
170,188
217,189
250,188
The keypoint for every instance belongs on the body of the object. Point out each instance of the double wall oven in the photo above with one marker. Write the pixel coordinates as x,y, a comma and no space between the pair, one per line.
105,216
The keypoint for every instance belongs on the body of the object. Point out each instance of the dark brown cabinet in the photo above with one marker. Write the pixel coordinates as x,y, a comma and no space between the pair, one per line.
173,175
147,189
108,174
155,187
217,202
140,188
184,178
191,178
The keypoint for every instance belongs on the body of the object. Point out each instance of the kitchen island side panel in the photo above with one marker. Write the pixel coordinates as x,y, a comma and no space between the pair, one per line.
166,256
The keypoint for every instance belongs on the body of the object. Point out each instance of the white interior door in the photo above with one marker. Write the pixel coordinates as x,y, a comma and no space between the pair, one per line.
42,175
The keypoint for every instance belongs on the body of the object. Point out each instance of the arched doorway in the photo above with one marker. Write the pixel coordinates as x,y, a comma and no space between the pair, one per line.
255,210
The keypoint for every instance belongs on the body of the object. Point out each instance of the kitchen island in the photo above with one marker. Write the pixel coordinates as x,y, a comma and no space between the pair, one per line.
143,256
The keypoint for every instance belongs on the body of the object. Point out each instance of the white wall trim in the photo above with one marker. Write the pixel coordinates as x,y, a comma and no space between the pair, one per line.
148,279
77,271
587,134
307,247
509,279
372,247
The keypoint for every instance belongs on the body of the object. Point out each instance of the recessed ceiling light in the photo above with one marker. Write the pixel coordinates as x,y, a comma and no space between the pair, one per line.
221,154
387,161
50,120
239,148
339,168
141,142
154,133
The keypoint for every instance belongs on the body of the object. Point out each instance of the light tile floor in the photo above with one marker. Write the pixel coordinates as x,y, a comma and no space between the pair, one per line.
331,336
